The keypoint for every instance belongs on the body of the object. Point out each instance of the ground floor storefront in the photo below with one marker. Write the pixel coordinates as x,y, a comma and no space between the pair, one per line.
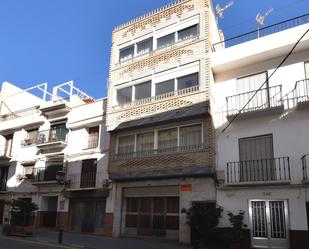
277,217
153,208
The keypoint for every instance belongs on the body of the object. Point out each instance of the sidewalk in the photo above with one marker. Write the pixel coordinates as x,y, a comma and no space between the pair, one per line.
85,241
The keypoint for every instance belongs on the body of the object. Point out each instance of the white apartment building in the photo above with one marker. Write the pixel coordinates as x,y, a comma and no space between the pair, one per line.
54,153
262,157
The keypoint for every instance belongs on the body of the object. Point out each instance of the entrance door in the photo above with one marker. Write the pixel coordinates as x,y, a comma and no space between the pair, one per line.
269,228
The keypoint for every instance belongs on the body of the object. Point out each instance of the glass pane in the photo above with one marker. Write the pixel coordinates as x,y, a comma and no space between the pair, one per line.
167,138
187,33
187,81
145,141
126,53
126,144
191,135
166,41
144,47
124,95
143,90
165,87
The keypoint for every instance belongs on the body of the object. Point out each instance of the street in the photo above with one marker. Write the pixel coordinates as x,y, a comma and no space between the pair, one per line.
48,240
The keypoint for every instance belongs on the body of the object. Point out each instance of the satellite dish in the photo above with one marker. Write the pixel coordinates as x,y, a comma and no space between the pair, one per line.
220,10
261,18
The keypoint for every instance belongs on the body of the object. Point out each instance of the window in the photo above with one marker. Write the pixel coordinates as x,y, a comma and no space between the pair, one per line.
145,141
143,90
28,169
166,41
88,174
307,69
190,135
126,53
167,138
145,46
126,144
8,145
31,136
187,81
165,87
187,33
124,95
93,137
250,83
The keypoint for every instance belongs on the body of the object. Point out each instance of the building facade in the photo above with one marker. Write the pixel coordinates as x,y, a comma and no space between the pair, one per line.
158,115
54,153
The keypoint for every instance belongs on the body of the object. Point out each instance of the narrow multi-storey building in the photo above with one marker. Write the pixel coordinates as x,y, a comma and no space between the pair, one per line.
158,115
54,153
262,132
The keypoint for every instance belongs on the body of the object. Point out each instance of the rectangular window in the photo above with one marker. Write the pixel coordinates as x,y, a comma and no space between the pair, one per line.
28,169
126,53
167,139
31,136
145,141
88,174
93,137
124,95
143,90
250,83
126,144
166,41
190,135
187,33
165,87
145,47
187,81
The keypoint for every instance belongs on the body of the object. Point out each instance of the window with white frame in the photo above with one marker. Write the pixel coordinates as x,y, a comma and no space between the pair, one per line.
251,82
144,47
187,81
188,33
126,144
126,53
167,139
124,95
307,69
166,41
143,90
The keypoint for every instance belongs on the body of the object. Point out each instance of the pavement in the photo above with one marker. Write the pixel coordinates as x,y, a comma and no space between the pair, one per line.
49,240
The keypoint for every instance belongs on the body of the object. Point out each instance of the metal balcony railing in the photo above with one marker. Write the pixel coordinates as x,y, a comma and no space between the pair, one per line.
52,135
305,166
170,150
88,179
162,96
261,170
44,174
302,90
265,98
84,180
93,141
268,30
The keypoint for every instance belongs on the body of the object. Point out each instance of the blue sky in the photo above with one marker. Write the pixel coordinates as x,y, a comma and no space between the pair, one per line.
61,40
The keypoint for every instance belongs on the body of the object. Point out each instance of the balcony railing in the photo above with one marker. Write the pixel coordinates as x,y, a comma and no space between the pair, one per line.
93,141
268,30
162,96
265,98
305,166
171,150
52,135
46,174
261,170
84,180
302,90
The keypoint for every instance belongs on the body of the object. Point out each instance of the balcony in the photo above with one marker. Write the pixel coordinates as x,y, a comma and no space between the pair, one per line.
46,175
265,101
84,180
261,171
261,32
305,167
55,107
301,92
93,141
53,139
172,162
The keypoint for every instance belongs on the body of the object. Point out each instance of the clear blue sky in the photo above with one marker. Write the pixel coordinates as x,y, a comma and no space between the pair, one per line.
61,40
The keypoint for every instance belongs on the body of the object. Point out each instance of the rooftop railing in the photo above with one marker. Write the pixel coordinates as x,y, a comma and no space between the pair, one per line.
305,167
261,32
260,170
52,135
264,98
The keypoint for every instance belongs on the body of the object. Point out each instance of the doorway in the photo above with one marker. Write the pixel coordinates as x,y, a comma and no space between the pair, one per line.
269,223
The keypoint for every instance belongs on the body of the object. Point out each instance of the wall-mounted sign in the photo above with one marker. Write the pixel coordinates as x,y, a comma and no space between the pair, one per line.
186,187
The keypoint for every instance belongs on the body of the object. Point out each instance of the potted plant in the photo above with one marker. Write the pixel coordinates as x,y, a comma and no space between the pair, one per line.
21,218
202,219
237,232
